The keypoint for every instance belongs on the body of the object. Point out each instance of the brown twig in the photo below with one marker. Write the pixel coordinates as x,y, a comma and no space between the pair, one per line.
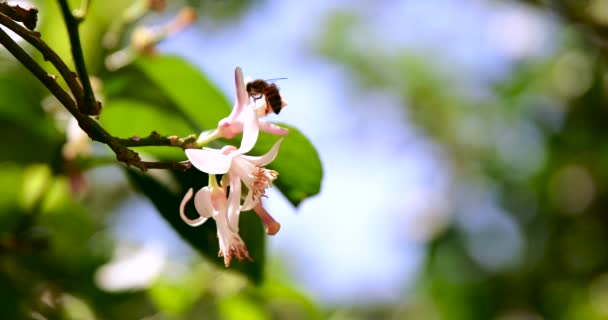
33,38
89,125
155,139
90,106
29,16
172,165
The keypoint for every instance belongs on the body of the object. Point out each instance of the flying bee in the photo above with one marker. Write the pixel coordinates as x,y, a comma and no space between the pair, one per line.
258,88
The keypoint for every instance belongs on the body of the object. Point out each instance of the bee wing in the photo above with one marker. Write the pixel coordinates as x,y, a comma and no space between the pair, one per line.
273,80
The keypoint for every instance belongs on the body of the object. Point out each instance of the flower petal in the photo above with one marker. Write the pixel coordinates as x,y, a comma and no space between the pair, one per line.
209,160
203,202
242,98
192,222
234,202
251,130
272,128
249,203
231,244
270,224
266,158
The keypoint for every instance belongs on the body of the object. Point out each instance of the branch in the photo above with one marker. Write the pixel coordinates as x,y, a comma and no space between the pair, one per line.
88,125
155,139
33,38
181,166
47,80
81,13
91,106
29,17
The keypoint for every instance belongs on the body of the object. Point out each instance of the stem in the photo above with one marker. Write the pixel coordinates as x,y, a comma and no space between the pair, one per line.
155,139
87,124
90,106
90,126
33,38
81,13
46,79
207,137
29,16
173,165
213,181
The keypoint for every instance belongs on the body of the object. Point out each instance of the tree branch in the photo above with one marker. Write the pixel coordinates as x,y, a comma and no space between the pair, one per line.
29,17
90,106
81,13
33,38
90,126
46,79
155,139
173,165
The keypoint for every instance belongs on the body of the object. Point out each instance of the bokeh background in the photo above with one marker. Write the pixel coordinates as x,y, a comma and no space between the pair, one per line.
462,143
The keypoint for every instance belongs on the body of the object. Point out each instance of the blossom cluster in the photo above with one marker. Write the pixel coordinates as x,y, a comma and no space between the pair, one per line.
225,201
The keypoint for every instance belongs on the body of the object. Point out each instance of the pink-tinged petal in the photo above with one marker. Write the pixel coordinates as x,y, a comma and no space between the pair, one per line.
251,130
229,128
268,157
203,203
242,97
249,203
271,225
272,128
192,222
185,200
209,160
231,244
234,202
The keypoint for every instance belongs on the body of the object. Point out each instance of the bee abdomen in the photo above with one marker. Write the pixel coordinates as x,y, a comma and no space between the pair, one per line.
275,102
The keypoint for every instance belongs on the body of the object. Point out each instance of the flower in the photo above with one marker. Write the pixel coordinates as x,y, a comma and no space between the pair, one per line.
239,168
211,202
234,123
271,225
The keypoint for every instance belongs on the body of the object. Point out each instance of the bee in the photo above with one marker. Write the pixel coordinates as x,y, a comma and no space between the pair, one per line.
258,88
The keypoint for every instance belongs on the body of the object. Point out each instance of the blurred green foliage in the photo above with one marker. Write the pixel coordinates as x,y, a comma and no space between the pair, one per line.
54,215
529,171
527,198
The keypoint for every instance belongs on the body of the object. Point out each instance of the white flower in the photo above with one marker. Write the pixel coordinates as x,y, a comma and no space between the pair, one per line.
211,202
239,168
234,123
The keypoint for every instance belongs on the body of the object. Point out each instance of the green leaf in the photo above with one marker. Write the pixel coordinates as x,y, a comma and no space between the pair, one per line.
204,238
187,87
298,164
239,307
126,118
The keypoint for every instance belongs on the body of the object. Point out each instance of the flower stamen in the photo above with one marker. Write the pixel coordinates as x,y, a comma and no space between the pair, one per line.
262,179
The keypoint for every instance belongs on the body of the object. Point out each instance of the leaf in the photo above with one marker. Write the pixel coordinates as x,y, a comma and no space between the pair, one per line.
204,238
187,87
298,164
126,118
